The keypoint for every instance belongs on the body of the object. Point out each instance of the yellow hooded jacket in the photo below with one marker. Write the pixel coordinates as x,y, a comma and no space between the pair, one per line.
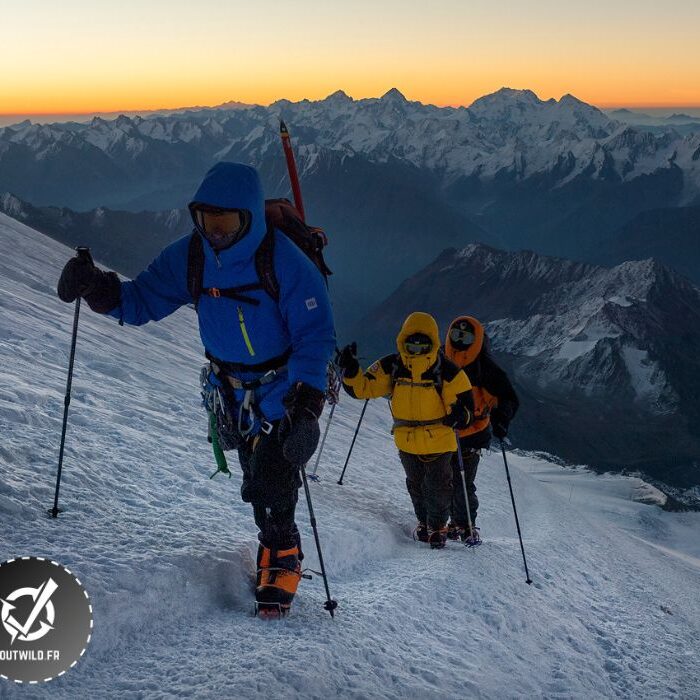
409,380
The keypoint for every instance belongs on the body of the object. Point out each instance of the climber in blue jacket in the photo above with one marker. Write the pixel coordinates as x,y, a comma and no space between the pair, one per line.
268,352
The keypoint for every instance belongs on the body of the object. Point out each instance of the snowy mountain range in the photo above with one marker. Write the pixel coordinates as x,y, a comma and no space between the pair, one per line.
607,360
167,555
510,170
683,123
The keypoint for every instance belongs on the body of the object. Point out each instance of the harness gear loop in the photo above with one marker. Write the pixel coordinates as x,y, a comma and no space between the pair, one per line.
248,410
248,404
409,382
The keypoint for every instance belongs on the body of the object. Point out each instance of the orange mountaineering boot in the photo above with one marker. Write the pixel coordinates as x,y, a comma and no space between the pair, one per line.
279,573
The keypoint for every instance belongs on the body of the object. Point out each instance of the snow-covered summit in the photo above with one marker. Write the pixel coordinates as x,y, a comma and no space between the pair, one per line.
394,95
338,97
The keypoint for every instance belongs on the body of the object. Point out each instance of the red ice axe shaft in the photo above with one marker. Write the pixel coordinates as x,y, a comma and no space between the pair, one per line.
292,169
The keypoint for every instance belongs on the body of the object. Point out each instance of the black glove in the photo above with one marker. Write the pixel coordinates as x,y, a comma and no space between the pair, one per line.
298,431
499,425
80,278
458,418
347,361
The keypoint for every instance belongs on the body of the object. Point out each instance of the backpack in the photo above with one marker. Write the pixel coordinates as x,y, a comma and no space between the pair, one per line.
279,214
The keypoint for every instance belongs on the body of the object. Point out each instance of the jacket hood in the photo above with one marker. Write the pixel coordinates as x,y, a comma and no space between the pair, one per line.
235,186
462,358
419,322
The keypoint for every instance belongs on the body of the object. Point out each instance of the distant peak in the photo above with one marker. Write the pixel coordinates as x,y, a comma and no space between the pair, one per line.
507,95
11,205
570,99
394,95
338,96
476,249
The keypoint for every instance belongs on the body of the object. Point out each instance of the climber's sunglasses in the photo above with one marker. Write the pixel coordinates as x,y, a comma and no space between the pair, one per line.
461,336
418,348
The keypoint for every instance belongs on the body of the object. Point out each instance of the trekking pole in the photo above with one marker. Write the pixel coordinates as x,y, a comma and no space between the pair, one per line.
330,604
352,444
472,540
83,253
528,580
313,476
335,381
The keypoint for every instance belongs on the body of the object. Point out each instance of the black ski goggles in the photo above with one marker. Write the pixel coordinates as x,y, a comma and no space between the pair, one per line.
418,347
462,335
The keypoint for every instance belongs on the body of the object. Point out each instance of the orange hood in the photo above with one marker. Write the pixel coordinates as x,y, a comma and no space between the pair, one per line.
463,358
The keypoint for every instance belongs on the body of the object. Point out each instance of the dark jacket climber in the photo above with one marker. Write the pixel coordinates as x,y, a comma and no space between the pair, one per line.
495,405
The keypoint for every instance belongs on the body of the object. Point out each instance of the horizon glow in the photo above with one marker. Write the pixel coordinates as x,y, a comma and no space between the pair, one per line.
77,58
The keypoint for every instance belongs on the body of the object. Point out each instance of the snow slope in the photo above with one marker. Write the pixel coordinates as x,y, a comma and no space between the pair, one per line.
167,555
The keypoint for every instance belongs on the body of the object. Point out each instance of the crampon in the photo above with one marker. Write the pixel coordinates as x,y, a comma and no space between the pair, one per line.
473,539
271,611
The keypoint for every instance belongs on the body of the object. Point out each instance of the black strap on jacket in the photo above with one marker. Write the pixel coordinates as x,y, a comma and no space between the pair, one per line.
264,267
234,293
232,368
399,423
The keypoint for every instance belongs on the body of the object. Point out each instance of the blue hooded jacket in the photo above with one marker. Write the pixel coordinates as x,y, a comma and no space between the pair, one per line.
301,321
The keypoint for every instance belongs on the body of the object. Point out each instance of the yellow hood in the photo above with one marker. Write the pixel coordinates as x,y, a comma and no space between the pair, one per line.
419,322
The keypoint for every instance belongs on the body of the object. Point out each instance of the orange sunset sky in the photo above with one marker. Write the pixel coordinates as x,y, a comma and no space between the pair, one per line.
74,57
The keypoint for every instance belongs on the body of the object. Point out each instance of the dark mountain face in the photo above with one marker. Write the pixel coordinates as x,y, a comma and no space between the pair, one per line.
360,243
124,241
671,236
569,220
607,361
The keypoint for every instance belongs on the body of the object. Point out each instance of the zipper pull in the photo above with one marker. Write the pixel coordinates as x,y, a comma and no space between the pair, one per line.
244,331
